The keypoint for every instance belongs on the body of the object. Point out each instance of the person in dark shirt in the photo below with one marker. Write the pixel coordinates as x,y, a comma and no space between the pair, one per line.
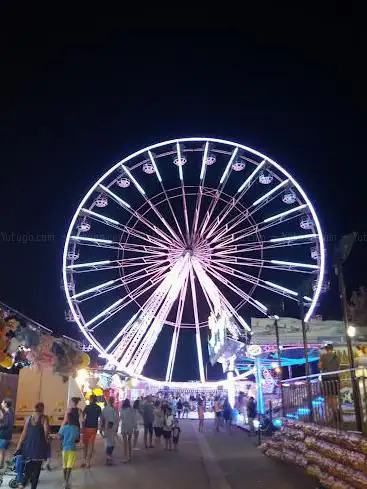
6,428
91,415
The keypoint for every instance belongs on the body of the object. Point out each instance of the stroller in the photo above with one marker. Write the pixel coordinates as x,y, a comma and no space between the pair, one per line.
11,470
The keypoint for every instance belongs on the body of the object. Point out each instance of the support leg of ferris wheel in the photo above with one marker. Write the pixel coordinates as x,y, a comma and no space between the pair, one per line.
142,353
197,327
176,333
135,335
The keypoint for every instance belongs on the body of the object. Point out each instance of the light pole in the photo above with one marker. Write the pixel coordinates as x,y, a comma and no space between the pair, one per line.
303,290
342,253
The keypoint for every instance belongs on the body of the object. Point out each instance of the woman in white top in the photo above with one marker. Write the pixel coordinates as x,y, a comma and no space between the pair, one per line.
128,426
139,423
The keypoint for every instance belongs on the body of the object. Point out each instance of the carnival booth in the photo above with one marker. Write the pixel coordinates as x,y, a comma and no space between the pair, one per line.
47,365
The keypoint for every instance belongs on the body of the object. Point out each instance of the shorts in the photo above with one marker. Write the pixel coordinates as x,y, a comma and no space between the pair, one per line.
109,450
68,459
89,435
4,444
148,428
167,435
218,414
158,431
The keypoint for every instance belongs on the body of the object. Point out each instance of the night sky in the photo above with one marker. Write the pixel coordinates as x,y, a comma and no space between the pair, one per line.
74,104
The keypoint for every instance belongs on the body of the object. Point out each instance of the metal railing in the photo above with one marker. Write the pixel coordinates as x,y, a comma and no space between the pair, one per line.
327,399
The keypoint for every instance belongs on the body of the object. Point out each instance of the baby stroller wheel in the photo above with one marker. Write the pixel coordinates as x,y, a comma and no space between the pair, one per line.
13,483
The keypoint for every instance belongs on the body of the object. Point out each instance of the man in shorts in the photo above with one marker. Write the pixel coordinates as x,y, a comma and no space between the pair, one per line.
329,365
91,415
147,412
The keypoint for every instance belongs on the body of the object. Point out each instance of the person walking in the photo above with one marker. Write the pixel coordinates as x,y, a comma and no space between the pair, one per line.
110,433
179,408
251,414
217,413
91,416
147,412
167,429
227,413
33,445
330,365
176,431
201,416
158,423
109,414
76,414
69,434
128,426
139,423
6,428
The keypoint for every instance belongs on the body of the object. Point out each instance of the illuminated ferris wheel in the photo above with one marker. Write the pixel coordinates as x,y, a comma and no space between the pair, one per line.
182,230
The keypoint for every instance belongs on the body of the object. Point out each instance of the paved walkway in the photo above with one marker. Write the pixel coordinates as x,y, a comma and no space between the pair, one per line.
210,461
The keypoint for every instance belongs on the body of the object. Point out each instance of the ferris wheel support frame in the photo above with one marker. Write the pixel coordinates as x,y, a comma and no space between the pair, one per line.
223,249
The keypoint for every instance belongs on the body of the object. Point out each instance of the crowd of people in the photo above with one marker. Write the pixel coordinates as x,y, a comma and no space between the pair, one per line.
156,419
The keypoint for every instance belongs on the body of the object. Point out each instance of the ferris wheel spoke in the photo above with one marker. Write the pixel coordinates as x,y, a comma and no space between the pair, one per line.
265,284
197,327
271,264
211,290
228,208
117,283
145,347
246,214
117,225
136,214
124,301
110,264
149,202
149,314
222,183
236,289
108,243
180,171
123,331
256,228
155,166
176,332
264,245
200,191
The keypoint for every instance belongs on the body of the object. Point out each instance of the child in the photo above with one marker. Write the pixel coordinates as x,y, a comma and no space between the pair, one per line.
69,434
176,430
110,435
167,429
201,416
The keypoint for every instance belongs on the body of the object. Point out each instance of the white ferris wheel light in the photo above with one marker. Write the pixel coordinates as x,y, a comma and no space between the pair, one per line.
155,166
271,192
250,178
204,162
294,264
229,164
294,238
99,216
285,213
90,264
91,240
151,252
115,197
135,182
